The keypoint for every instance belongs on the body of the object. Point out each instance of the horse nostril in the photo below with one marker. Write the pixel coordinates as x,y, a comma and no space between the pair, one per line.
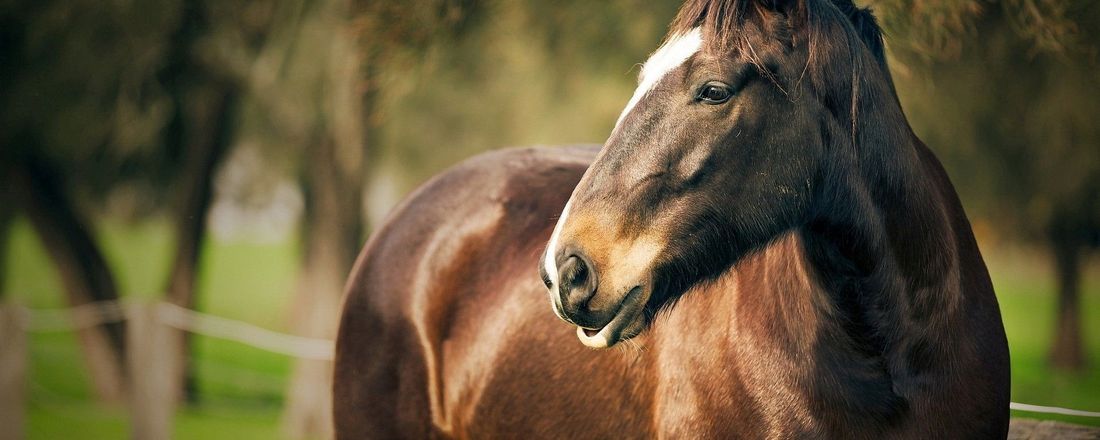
580,273
572,272
576,282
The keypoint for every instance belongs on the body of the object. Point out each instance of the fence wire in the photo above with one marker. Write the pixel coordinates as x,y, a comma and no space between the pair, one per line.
102,312
97,313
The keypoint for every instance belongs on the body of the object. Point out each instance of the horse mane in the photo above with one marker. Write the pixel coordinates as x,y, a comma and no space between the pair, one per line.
834,30
865,24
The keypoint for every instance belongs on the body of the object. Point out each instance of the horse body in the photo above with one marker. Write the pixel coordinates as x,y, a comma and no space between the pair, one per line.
773,249
445,334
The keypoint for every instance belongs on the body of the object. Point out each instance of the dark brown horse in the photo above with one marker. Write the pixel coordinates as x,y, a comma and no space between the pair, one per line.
776,252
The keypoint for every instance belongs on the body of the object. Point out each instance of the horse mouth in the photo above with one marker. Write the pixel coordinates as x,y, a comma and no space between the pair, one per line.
625,324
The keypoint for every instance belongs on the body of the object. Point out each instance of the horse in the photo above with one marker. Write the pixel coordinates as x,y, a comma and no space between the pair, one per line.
762,248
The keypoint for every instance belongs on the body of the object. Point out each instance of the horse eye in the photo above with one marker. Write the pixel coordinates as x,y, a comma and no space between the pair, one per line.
714,94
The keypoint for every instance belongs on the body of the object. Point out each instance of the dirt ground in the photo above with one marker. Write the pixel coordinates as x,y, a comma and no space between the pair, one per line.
1028,429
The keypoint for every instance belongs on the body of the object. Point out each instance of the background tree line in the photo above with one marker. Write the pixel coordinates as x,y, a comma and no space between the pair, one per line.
129,110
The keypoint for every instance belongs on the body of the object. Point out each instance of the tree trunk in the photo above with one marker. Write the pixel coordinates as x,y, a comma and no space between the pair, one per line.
67,237
332,230
1067,352
207,130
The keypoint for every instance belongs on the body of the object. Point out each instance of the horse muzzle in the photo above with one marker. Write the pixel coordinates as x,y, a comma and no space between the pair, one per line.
627,322
602,318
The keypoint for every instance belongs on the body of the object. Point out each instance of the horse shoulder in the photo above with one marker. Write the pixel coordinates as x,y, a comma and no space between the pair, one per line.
432,257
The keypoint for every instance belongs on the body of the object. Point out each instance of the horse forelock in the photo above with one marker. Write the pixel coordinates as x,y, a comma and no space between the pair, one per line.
723,20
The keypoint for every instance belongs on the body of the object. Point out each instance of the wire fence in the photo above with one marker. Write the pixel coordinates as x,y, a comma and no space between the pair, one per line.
16,322
172,315
154,334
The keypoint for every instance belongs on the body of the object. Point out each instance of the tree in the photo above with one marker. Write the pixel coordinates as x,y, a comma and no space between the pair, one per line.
40,192
198,133
124,87
303,82
61,95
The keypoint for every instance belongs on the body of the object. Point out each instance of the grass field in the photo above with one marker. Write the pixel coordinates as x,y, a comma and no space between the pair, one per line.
242,386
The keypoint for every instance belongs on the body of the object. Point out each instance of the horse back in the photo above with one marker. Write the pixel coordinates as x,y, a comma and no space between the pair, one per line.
444,312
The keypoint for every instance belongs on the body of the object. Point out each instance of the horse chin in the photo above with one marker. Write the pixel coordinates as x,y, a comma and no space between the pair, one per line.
627,323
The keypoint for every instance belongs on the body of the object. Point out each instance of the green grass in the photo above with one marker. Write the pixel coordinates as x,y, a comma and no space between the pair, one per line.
242,386
242,389
1025,292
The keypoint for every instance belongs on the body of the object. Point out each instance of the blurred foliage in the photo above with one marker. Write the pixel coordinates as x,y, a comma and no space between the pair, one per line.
1006,93
88,83
941,29
79,77
520,73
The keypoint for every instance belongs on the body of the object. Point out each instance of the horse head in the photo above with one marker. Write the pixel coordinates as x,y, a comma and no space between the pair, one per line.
742,122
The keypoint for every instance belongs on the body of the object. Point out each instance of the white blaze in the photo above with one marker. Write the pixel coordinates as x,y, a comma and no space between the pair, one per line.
669,56
552,252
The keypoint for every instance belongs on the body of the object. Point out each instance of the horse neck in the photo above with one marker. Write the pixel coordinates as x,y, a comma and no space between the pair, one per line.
884,246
